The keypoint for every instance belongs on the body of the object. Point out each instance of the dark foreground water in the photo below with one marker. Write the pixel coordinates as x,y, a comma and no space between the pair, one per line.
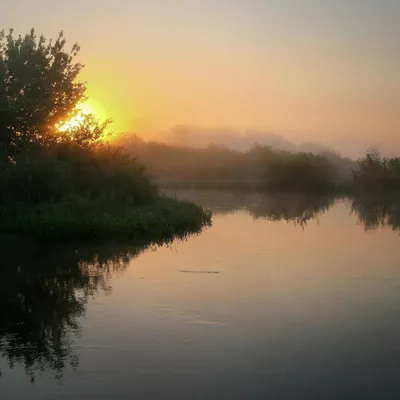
283,298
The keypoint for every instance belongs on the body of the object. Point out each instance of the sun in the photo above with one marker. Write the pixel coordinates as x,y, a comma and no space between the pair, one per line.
83,109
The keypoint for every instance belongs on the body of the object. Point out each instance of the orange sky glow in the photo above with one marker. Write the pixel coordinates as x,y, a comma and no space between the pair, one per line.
314,70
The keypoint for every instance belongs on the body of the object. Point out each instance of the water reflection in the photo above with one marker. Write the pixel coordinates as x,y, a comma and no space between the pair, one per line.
376,212
298,208
373,212
44,295
45,292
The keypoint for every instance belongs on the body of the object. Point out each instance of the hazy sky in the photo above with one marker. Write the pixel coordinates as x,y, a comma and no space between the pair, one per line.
310,69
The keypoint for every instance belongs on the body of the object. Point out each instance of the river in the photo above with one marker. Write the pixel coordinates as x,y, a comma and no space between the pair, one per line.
284,297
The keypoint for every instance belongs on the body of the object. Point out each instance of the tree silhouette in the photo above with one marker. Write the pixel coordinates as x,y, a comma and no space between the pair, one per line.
375,173
38,88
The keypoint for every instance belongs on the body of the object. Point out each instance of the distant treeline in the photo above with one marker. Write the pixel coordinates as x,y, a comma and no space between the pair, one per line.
215,166
263,167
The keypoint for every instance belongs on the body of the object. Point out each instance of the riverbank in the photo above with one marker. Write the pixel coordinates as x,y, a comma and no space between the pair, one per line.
256,186
89,220
211,184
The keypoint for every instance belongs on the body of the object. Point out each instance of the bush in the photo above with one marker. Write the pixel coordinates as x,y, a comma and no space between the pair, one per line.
56,172
376,174
300,172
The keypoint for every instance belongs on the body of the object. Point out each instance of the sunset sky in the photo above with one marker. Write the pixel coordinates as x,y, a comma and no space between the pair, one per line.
327,71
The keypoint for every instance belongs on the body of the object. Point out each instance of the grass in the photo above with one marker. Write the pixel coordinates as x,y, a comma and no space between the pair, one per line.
88,220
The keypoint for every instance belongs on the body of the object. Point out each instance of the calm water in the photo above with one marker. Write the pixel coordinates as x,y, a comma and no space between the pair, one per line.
282,298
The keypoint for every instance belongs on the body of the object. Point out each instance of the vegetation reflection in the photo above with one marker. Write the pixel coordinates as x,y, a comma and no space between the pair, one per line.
296,208
299,209
377,212
45,296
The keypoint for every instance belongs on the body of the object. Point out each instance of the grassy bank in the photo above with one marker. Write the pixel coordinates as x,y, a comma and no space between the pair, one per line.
67,192
82,219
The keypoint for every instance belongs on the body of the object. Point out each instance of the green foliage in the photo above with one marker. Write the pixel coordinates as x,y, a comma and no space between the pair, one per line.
38,88
375,173
89,220
53,173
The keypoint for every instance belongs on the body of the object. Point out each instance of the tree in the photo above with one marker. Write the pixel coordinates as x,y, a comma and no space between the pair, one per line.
375,173
371,172
38,89
87,133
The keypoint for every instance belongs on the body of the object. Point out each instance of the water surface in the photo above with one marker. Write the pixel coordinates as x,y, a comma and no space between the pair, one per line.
282,298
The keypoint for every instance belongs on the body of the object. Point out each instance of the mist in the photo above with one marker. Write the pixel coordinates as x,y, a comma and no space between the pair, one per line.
349,146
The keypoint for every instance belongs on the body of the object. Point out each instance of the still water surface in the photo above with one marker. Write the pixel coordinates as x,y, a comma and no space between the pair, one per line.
282,298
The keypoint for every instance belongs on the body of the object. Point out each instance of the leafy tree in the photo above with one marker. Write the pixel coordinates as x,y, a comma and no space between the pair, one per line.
38,88
39,93
88,133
